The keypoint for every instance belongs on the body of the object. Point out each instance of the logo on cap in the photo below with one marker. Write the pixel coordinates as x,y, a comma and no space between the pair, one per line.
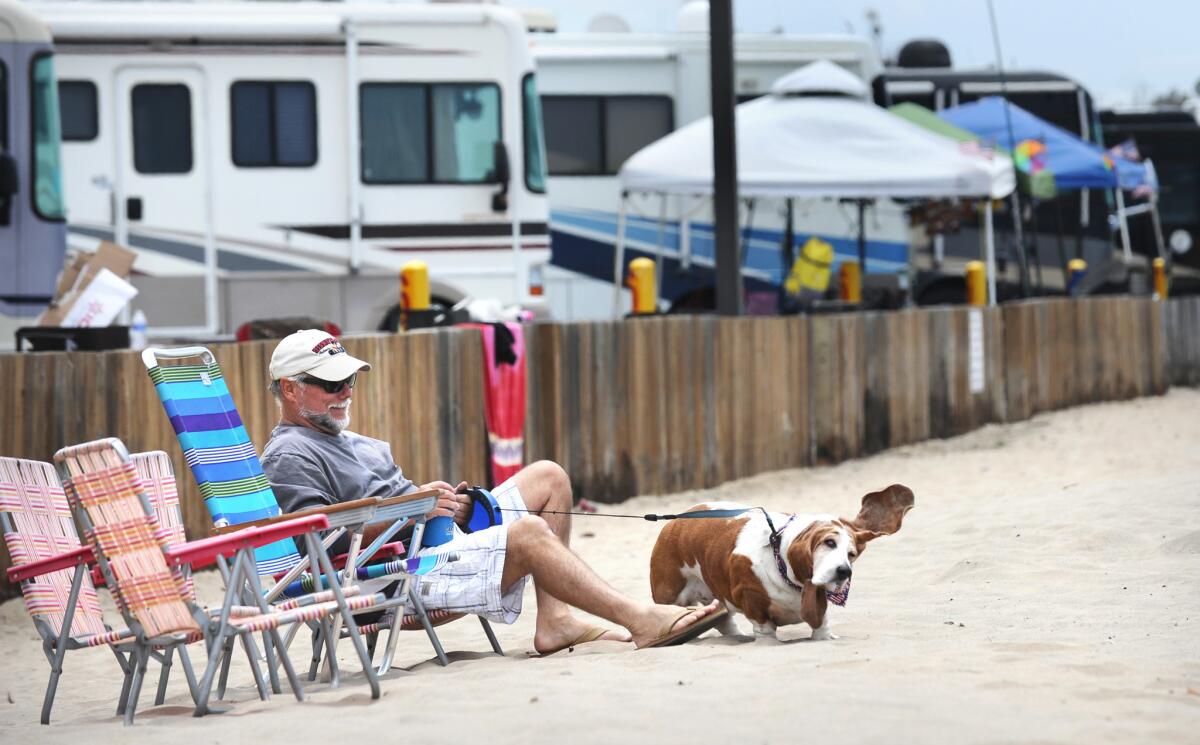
329,346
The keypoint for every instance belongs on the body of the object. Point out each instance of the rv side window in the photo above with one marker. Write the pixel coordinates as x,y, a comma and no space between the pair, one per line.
573,140
535,151
594,135
274,124
631,123
47,164
162,128
3,106
77,103
421,133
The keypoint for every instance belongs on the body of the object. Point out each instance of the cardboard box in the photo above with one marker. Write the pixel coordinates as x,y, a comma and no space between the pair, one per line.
78,273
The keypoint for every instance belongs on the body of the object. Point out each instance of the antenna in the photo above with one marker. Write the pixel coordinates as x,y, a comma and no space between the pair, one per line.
1012,151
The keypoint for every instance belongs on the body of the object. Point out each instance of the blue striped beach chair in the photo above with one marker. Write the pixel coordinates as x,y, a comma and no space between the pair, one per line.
227,470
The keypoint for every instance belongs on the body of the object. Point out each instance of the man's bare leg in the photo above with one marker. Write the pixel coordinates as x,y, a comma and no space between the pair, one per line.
534,549
546,490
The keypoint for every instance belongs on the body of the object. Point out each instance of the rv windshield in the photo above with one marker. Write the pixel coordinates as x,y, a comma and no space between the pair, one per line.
47,167
535,148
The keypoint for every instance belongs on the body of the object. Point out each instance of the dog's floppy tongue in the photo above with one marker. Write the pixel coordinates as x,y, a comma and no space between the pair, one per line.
839,597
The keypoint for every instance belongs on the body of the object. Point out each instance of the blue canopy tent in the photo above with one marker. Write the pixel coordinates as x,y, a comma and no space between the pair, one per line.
1076,164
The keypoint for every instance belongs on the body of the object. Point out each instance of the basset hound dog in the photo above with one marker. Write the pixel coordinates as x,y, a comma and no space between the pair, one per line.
774,568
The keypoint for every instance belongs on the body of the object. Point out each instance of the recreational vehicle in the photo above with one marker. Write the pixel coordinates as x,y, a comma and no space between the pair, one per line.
268,160
605,95
1171,139
32,230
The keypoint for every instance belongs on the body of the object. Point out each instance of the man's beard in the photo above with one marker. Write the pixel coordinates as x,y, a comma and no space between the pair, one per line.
326,423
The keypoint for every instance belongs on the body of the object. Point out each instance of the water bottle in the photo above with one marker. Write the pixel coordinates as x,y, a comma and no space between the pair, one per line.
137,331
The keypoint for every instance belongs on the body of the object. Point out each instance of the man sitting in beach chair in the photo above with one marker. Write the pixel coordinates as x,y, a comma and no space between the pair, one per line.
312,459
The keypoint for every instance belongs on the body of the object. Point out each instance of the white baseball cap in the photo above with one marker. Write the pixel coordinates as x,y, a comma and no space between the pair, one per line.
315,353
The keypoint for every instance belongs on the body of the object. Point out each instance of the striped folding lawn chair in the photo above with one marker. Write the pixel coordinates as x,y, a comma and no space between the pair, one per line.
229,474
52,570
126,539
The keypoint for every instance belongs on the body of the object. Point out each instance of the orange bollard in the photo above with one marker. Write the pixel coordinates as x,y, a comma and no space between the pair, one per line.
850,282
1160,278
976,284
641,281
414,290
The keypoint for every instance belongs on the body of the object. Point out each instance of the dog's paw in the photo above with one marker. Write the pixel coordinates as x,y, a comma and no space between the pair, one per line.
765,634
822,634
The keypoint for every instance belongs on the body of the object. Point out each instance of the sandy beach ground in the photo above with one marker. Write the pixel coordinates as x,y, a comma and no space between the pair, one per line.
1046,588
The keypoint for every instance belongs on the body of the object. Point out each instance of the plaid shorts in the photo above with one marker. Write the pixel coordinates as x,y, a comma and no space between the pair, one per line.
472,584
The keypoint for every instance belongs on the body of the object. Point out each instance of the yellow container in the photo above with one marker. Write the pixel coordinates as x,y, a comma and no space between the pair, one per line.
976,284
642,281
414,286
810,271
1160,278
850,282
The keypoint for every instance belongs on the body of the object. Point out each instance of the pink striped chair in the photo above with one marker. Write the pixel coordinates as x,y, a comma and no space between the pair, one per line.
51,566
128,542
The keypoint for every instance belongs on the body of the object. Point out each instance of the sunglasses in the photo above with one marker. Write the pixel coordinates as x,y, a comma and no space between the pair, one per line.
331,386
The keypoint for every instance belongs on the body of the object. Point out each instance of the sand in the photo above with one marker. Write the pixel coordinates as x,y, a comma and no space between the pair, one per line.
1046,588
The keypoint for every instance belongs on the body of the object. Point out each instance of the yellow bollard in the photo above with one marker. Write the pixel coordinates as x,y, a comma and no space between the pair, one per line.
976,284
414,290
850,282
1160,278
414,286
1076,268
642,281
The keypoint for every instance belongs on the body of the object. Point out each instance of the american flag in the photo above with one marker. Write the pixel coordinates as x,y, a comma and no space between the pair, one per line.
976,148
839,597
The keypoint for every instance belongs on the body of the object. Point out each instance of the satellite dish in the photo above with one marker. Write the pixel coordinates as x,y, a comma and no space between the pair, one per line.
608,23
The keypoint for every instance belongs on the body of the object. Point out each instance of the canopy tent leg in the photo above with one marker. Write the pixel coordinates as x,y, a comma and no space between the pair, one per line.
662,236
990,251
685,235
619,258
787,247
862,236
1154,216
1123,223
1062,246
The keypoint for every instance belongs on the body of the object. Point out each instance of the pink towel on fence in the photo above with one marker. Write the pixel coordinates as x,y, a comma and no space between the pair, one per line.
504,401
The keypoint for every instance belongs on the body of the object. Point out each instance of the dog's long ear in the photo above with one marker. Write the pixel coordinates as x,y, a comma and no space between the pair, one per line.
882,512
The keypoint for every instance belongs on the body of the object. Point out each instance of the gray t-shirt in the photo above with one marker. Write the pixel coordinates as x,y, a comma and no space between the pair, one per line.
309,468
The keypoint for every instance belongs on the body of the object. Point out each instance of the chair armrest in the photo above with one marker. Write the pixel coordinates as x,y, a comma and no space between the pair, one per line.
65,560
205,550
406,506
328,510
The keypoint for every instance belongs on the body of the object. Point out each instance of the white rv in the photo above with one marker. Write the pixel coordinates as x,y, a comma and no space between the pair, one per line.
605,95
271,159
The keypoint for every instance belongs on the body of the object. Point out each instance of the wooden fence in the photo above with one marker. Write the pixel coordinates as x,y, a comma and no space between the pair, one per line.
661,404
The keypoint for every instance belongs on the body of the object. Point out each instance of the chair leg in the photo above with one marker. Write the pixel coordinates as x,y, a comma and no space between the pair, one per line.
142,655
317,646
126,664
204,689
51,689
163,676
260,683
487,629
419,607
269,656
226,658
188,672
288,669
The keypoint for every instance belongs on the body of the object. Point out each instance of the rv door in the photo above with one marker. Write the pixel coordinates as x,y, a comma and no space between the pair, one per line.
161,159
163,163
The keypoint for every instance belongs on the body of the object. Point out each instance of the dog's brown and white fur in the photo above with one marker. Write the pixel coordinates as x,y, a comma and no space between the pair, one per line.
731,559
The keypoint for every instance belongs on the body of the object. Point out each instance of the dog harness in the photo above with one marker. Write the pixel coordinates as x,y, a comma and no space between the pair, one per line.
776,540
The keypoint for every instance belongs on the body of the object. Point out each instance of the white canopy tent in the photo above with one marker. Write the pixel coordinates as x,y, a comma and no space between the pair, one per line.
818,135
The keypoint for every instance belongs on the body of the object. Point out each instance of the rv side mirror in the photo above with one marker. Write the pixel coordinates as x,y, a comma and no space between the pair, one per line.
500,175
8,176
